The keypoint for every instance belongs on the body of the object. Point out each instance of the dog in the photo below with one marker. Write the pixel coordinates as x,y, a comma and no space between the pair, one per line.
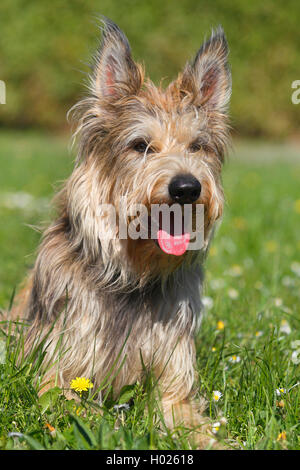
128,305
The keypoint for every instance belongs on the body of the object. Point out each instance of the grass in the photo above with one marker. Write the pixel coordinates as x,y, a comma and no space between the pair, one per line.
252,289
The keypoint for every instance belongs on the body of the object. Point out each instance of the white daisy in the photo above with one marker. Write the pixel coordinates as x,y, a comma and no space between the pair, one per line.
295,358
235,270
216,284
233,293
288,281
278,302
123,406
234,359
217,395
280,391
295,267
207,302
285,327
216,427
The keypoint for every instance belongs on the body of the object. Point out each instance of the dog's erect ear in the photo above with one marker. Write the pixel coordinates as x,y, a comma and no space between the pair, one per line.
115,73
208,77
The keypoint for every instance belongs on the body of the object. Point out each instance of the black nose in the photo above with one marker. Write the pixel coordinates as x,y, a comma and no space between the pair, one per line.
184,189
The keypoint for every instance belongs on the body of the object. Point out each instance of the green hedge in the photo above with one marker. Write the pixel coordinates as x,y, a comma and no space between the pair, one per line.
45,47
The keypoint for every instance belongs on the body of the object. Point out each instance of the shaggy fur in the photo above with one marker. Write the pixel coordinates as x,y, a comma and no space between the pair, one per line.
119,300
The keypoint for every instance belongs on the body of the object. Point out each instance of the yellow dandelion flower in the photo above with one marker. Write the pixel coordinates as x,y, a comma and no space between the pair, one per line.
297,206
81,384
220,325
271,246
281,436
213,349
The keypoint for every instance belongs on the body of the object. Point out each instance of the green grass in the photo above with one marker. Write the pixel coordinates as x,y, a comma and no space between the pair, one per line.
252,286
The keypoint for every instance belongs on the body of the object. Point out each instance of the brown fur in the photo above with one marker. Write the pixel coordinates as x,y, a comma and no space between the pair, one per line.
127,297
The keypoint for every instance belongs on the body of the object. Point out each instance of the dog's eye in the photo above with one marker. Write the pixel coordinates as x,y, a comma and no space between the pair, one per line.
141,146
197,146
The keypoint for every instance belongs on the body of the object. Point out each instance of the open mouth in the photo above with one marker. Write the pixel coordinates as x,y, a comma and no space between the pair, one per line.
174,229
172,237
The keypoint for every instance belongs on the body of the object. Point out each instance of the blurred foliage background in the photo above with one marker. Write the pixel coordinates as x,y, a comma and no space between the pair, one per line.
253,272
45,47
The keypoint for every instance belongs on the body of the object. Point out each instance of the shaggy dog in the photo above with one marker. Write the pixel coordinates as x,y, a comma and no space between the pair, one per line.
120,306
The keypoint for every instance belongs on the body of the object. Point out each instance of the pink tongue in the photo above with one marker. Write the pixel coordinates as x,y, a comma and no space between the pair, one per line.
173,244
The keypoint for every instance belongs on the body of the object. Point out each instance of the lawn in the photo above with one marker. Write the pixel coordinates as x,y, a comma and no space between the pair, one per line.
247,346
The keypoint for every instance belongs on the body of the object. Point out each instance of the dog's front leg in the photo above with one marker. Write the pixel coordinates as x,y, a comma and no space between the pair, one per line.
179,404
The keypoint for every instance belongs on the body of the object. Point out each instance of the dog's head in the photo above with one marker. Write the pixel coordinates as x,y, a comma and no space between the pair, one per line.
148,145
